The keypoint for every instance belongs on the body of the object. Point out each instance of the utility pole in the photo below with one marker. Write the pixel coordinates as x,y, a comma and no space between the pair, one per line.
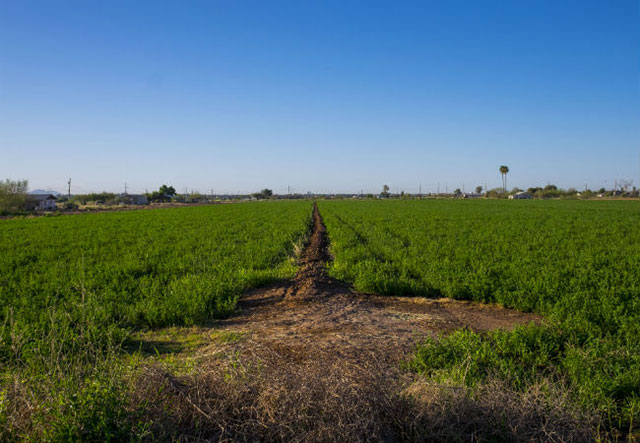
69,193
125,188
420,190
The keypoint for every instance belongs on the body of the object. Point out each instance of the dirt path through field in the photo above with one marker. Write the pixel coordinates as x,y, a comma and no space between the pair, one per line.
313,360
316,310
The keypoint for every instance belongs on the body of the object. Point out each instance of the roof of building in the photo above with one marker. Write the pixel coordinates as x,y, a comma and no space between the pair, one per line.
40,197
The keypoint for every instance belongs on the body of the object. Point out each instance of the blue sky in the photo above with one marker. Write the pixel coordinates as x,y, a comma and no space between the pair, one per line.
326,96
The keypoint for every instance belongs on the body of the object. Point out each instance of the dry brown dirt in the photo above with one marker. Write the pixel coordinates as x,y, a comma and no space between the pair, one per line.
318,361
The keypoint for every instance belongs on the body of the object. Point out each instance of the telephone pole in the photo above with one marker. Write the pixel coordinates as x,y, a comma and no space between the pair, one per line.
69,192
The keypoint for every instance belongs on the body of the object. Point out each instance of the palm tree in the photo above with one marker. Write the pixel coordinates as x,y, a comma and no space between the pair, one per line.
504,170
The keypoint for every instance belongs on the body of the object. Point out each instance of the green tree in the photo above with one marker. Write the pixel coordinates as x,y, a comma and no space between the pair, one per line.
264,194
385,191
163,194
478,189
533,190
169,191
504,170
13,195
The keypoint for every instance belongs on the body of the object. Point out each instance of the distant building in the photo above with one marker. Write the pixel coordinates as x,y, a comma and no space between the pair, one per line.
43,202
133,199
522,195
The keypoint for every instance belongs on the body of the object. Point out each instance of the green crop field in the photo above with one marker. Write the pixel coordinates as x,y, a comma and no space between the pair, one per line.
142,268
577,263
72,288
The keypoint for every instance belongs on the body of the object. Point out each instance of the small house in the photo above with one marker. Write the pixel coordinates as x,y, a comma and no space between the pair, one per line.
133,199
44,202
522,195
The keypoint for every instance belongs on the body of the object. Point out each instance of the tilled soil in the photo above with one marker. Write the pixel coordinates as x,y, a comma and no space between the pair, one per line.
318,361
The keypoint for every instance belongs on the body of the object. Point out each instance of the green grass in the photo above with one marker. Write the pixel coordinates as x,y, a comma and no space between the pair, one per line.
575,262
141,269
74,288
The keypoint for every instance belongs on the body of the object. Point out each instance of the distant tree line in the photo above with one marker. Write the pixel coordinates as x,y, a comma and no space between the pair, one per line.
553,191
95,197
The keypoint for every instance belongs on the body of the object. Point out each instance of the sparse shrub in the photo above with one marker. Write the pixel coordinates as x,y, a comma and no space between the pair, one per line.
70,205
13,196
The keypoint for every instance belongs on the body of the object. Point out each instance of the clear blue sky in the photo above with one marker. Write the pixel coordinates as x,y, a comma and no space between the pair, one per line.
323,96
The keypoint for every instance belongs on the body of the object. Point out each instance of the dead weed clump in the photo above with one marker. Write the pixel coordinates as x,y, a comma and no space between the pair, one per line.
495,412
271,393
278,393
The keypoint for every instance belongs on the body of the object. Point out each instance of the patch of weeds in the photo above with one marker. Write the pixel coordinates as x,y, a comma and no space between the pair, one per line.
531,354
160,342
227,336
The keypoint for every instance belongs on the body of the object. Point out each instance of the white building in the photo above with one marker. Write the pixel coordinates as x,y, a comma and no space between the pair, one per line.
522,195
44,202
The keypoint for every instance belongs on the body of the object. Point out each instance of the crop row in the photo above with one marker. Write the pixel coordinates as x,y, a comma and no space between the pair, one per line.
138,269
577,263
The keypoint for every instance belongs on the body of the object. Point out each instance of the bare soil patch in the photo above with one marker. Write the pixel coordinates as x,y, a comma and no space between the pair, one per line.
316,361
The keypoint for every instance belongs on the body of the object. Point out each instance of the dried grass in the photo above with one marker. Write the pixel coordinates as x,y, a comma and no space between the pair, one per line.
278,393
